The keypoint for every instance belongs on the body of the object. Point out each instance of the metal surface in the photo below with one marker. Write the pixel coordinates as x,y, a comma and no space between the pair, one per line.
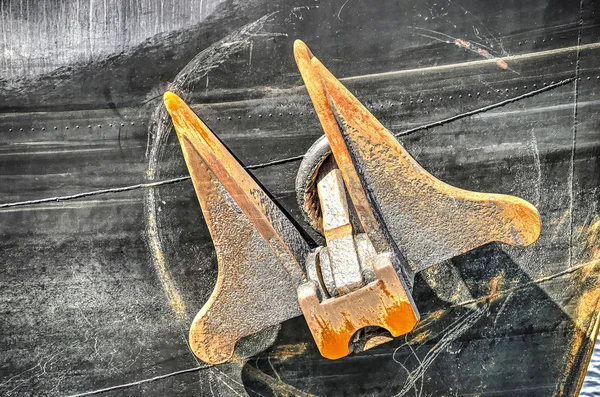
259,251
402,197
341,248
246,300
103,242
427,219
363,287
384,303
317,91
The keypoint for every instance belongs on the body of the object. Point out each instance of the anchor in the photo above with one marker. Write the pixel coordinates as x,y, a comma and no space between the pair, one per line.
383,216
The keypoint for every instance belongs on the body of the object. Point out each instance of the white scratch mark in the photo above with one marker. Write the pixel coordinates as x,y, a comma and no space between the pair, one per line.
227,384
456,329
40,366
538,167
139,382
43,38
340,11
6,382
84,316
96,346
470,45
503,306
250,53
571,179
296,12
212,393
408,373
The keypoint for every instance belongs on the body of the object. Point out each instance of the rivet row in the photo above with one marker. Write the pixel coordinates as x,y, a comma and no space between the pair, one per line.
89,126
281,114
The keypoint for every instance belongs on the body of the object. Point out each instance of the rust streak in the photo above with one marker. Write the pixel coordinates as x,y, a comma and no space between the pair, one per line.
384,303
278,387
501,63
420,337
285,352
529,284
586,316
494,283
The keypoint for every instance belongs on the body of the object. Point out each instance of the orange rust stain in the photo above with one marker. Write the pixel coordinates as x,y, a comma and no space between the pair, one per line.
285,352
493,218
334,322
429,318
586,317
237,359
169,286
376,341
211,168
335,341
436,315
494,283
420,337
586,306
573,357
278,387
496,217
483,52
462,43
592,336
501,63
399,318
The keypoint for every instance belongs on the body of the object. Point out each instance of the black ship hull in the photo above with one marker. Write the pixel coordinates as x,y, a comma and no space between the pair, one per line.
106,258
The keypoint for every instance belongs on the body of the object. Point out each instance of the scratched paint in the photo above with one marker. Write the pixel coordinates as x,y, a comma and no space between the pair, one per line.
478,48
40,36
166,280
451,333
165,351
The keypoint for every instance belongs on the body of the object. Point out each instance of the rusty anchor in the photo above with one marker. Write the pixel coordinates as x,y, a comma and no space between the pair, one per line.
399,220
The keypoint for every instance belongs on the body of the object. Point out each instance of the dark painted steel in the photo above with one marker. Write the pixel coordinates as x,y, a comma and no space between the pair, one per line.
98,292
